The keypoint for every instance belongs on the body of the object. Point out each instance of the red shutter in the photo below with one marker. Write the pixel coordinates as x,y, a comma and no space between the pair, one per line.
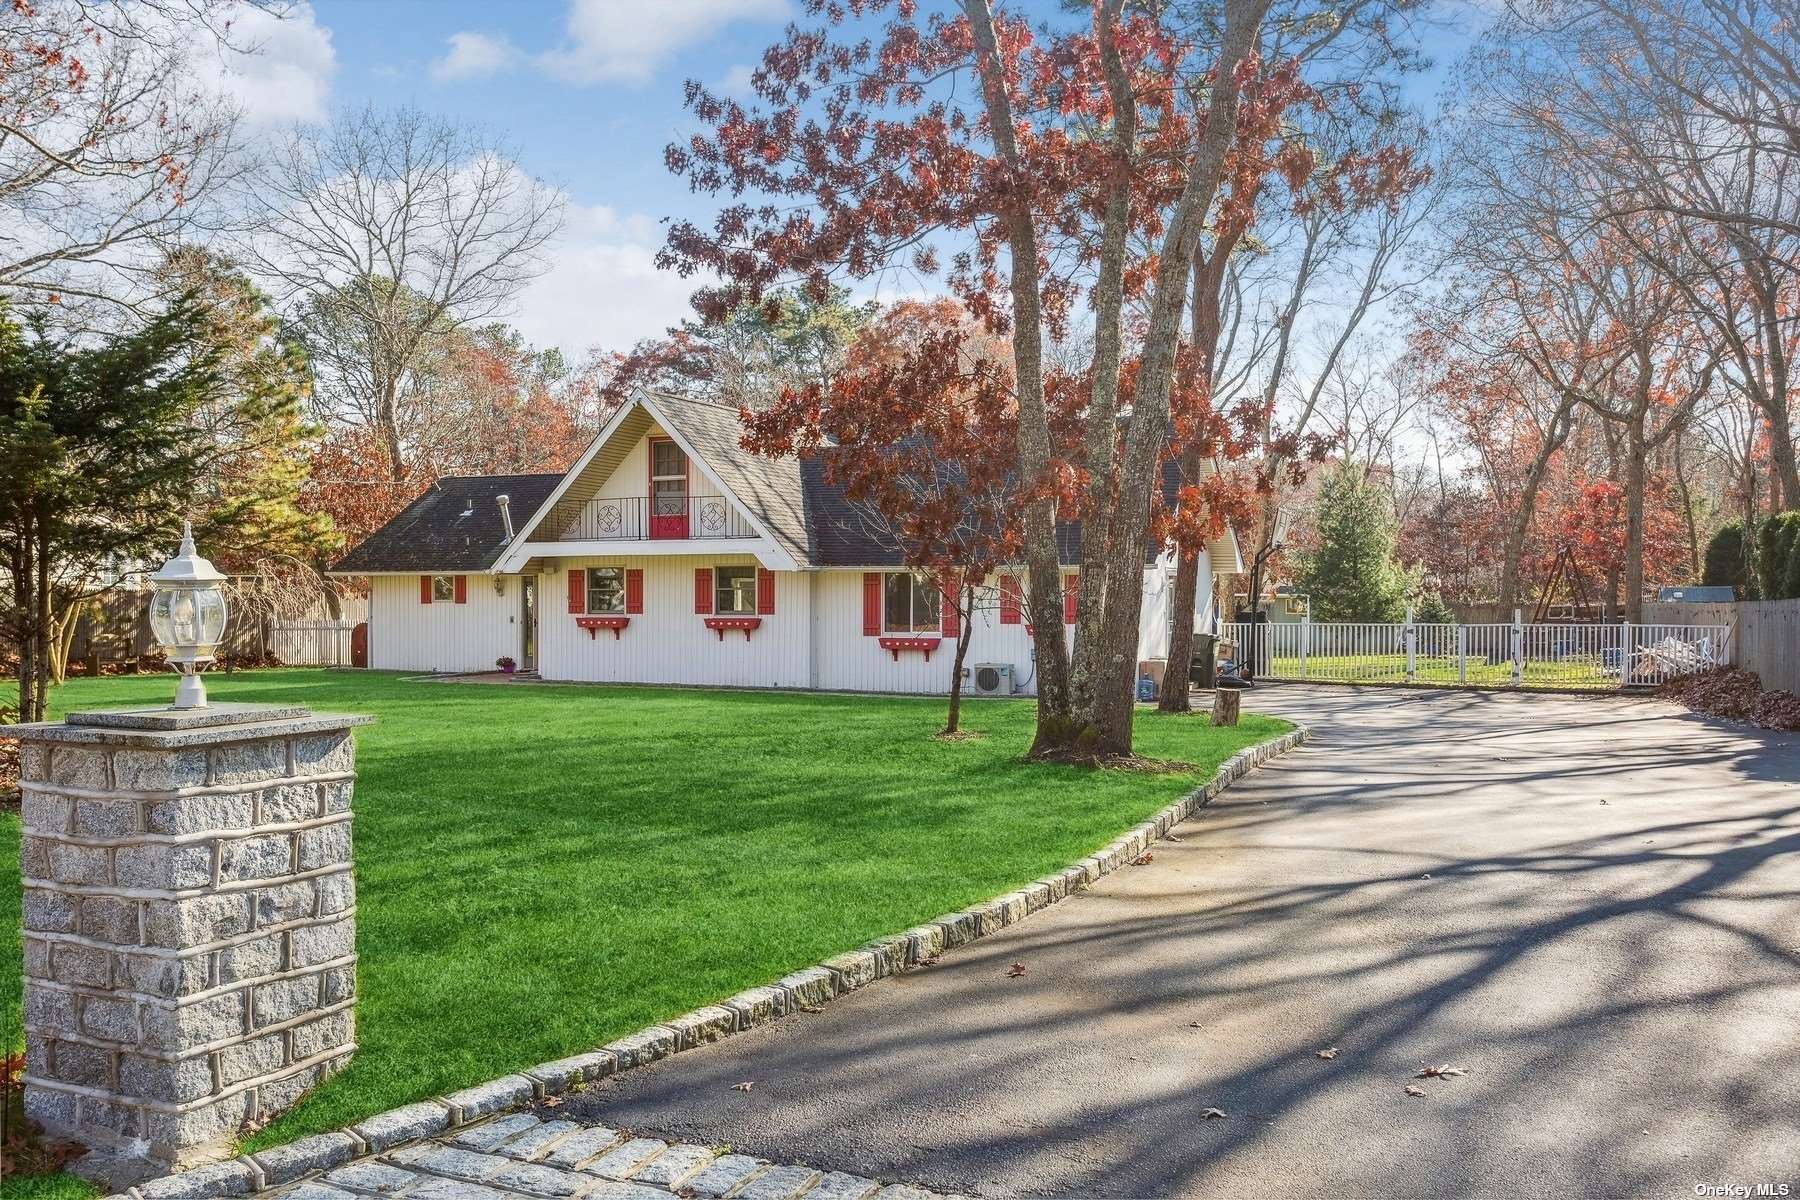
577,589
462,589
871,603
1009,599
1071,585
765,592
703,597
424,589
634,590
949,598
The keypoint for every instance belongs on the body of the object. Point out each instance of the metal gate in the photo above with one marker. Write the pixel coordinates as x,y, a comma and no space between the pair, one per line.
1516,654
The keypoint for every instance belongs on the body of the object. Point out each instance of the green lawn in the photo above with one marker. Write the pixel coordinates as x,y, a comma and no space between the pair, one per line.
1391,668
543,869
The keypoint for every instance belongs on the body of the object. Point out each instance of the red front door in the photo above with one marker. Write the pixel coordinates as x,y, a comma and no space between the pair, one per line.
668,490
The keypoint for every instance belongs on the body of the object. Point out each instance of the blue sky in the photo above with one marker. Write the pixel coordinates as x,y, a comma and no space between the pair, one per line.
586,92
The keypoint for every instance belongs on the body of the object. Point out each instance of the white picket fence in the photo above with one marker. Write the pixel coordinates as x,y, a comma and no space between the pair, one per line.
321,643
1515,654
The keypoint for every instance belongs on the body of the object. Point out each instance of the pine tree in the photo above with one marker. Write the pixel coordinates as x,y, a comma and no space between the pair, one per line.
100,455
1352,575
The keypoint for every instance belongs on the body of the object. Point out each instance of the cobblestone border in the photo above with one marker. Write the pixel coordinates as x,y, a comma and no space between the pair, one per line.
806,989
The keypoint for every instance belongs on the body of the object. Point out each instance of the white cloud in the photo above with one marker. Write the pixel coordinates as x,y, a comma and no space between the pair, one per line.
736,82
603,288
281,69
474,56
626,41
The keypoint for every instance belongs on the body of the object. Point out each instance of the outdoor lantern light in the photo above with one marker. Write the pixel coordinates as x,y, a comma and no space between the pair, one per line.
187,615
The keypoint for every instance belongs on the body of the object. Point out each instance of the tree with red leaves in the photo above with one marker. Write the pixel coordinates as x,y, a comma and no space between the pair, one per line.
1086,175
915,427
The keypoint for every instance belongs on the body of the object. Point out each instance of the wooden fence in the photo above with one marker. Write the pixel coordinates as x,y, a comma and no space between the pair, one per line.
1768,641
322,643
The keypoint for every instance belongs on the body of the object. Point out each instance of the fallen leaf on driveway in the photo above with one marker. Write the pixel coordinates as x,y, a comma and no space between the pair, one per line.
1444,1072
1143,859
1195,1025
1331,1052
1016,970
1414,1091
1213,1114
1427,875
744,1086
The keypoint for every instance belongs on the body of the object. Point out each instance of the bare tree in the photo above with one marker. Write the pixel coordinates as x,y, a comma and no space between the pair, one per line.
1688,110
109,145
385,232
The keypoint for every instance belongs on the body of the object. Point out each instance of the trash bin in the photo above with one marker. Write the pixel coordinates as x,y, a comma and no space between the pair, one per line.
1204,669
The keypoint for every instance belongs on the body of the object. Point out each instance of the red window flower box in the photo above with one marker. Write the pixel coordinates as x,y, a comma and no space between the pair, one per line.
594,625
894,645
720,624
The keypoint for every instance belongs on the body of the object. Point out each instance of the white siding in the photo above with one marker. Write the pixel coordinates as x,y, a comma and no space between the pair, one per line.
405,635
814,638
849,661
1155,619
668,642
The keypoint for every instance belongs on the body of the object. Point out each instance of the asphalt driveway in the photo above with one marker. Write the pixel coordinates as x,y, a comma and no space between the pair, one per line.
1590,905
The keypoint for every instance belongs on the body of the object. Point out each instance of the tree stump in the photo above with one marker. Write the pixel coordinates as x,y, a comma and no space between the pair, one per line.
1225,706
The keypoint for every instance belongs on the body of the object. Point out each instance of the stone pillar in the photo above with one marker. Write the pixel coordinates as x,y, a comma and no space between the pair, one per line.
190,936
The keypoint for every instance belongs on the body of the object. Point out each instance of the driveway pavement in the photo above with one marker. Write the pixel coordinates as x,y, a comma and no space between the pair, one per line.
1590,905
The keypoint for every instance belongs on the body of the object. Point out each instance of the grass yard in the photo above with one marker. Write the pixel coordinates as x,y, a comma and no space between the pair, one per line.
1575,673
542,869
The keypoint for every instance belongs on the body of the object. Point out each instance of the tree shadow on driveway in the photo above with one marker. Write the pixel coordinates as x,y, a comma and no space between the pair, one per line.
1592,908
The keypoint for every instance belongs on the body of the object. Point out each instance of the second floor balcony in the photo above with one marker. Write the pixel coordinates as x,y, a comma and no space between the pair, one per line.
643,518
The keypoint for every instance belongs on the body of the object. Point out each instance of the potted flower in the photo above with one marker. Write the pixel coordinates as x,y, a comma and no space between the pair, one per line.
506,664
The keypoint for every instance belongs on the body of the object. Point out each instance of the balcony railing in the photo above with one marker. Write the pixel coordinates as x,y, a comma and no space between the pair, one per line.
643,518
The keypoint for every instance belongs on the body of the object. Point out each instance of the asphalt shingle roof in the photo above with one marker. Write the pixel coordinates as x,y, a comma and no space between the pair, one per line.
454,526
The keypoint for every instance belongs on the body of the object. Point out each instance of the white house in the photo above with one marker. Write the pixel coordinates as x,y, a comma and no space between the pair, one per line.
669,555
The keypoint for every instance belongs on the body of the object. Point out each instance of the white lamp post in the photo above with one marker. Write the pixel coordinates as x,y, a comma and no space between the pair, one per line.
187,615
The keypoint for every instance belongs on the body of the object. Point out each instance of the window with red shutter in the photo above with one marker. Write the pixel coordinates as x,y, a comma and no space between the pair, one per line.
871,604
424,589
703,597
577,590
1071,586
1010,599
949,605
765,592
462,589
634,590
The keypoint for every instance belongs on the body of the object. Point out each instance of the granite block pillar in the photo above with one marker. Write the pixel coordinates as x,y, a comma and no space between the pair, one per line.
189,922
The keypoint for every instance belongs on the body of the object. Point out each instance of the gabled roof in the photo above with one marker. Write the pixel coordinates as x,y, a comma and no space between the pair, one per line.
454,526
772,489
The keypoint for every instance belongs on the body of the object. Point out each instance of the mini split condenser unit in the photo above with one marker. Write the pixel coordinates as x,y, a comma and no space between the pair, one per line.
992,679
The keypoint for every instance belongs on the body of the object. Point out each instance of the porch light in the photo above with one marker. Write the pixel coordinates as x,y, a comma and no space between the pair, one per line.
187,615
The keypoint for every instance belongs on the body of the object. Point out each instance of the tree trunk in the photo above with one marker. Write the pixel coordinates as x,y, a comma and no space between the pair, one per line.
41,640
966,627
1226,703
1102,415
23,573
1209,277
390,425
1787,471
1634,521
1043,567
1105,727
